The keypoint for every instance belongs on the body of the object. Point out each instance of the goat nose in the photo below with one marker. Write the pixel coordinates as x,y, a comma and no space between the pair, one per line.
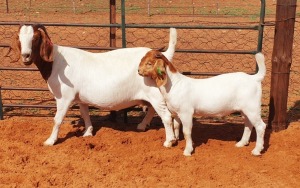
26,55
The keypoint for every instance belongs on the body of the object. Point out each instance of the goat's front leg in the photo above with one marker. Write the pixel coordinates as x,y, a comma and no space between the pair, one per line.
84,111
147,119
187,124
62,108
166,118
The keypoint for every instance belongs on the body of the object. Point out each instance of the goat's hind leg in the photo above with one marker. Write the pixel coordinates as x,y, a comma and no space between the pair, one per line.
84,111
176,127
254,119
187,125
246,134
62,108
260,128
147,119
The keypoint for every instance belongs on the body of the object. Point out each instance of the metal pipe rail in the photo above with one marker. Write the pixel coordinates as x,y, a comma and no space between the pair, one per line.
123,26
75,106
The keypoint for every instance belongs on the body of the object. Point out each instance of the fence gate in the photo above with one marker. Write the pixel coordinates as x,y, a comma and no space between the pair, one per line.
22,88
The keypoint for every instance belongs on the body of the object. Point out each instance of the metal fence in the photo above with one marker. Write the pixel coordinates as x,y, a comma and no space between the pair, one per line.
204,49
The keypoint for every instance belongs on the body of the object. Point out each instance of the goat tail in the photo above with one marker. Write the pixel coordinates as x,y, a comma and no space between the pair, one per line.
172,43
260,59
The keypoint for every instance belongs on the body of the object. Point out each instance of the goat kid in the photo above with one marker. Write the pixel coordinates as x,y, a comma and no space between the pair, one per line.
215,96
106,80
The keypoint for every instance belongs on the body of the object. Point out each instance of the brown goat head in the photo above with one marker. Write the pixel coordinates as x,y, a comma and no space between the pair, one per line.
33,44
153,65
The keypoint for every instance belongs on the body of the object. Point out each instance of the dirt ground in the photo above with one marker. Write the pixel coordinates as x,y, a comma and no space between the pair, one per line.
119,156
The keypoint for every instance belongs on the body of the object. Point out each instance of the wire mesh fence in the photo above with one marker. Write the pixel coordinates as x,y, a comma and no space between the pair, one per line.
202,39
148,7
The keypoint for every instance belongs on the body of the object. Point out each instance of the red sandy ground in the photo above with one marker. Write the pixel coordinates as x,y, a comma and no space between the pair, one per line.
118,156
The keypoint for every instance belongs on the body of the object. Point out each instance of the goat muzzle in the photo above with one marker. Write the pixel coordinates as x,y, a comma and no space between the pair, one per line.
140,72
26,58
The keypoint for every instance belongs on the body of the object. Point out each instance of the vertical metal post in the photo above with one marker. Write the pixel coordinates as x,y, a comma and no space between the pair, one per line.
148,7
193,4
261,25
74,8
112,41
1,106
281,63
112,20
123,24
7,10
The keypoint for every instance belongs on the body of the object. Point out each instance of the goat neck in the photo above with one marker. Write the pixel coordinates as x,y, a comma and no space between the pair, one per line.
43,66
172,80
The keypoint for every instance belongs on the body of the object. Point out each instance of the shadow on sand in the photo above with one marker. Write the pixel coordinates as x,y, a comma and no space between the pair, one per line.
201,133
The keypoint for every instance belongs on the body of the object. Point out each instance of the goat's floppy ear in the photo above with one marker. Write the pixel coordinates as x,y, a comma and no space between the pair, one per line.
46,49
160,72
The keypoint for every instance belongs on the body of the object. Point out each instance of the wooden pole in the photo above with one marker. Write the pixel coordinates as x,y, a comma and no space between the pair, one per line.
281,63
112,21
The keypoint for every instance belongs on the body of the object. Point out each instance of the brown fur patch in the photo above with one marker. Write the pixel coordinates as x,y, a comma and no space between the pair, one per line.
153,55
42,51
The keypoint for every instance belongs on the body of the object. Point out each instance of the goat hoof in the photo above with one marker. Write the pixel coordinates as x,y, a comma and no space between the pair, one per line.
174,142
168,144
49,142
187,153
240,144
256,152
88,132
141,127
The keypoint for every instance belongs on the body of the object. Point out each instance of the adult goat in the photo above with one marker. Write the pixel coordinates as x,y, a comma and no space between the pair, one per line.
107,80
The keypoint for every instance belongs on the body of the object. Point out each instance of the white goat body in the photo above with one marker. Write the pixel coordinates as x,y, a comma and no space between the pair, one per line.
107,80
215,96
102,79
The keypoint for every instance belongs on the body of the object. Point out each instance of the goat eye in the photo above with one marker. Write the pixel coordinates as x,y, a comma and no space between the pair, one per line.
149,64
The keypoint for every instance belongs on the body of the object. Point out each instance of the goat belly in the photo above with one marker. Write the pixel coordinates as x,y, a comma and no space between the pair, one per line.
213,113
220,108
114,106
107,102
